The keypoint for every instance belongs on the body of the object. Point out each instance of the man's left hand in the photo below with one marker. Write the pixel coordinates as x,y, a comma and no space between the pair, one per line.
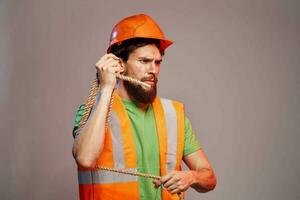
175,181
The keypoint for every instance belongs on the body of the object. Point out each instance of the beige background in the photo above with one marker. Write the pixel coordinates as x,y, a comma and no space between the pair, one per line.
235,64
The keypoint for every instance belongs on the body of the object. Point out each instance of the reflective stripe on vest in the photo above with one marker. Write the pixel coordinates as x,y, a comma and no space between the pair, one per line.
104,177
171,125
117,142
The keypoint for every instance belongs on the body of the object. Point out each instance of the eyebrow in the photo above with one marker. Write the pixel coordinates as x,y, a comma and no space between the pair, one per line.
149,59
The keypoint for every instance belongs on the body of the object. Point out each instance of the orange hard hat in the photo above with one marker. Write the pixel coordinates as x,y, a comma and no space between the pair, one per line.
137,26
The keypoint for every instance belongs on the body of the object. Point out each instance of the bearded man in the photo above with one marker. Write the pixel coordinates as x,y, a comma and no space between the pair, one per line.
145,134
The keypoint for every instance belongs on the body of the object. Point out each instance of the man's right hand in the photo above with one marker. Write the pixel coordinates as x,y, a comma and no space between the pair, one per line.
107,67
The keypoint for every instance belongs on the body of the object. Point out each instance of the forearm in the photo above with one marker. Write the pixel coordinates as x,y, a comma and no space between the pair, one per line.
203,180
89,144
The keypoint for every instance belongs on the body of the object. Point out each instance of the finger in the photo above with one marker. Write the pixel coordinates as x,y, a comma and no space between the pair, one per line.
120,63
175,191
173,180
169,178
104,62
165,178
170,182
101,60
171,187
110,55
110,63
107,63
116,70
106,57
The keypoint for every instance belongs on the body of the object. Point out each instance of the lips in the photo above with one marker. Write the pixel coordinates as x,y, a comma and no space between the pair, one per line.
151,80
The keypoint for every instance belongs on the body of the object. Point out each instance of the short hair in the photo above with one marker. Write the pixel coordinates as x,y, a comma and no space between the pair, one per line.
126,47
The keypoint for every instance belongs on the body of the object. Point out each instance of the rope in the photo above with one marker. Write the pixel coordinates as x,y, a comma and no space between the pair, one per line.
109,110
124,171
132,80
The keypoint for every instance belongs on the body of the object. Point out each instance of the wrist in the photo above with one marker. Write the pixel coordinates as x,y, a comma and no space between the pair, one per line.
106,89
192,178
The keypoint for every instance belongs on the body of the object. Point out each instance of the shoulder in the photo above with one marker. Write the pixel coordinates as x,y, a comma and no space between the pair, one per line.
172,106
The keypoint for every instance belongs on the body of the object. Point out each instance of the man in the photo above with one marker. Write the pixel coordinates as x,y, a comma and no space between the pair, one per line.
145,134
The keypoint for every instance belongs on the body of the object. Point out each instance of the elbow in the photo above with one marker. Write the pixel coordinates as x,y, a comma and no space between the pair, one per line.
82,160
85,162
208,185
213,183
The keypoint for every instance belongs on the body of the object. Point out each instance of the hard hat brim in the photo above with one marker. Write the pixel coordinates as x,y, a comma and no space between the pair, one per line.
164,44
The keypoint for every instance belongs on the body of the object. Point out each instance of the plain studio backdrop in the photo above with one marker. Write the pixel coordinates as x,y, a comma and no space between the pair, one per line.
235,64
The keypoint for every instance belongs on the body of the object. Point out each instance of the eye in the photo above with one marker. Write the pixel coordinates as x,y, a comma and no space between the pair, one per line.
145,61
158,62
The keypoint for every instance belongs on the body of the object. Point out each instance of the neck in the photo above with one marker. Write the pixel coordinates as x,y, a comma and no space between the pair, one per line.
124,95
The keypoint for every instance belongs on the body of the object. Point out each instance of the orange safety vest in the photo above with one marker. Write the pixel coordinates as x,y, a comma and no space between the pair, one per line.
119,152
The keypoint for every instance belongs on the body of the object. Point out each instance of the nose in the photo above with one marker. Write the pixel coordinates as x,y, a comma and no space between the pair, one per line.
154,68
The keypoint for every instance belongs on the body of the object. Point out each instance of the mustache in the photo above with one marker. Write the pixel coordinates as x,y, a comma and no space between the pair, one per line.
152,77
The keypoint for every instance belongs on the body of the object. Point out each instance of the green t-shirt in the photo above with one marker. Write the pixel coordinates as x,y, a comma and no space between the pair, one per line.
146,141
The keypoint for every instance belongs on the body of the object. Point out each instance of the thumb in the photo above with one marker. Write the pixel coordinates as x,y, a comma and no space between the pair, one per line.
156,183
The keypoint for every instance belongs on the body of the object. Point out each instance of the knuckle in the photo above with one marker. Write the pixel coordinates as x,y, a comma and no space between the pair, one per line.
173,191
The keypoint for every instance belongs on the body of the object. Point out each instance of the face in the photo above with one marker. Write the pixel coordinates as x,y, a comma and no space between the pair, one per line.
143,64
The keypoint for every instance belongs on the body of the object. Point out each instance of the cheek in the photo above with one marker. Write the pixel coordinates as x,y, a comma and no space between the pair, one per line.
157,69
136,70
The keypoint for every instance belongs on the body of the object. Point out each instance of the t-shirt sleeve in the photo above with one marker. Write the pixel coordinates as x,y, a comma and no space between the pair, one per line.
77,121
191,142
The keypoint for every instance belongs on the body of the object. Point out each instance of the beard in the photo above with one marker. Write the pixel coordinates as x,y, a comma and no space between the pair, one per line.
140,94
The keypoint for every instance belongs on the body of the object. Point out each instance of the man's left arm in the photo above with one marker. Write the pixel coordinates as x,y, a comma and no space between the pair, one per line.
200,176
203,177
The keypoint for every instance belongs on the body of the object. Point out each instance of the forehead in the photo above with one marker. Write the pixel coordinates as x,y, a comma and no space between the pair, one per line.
148,51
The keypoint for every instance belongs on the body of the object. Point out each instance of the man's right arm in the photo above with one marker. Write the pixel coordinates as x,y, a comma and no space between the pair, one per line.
90,140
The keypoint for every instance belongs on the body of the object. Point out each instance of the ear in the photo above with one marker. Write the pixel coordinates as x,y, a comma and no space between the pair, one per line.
124,65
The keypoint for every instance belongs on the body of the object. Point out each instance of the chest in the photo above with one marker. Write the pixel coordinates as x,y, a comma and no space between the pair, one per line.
145,136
